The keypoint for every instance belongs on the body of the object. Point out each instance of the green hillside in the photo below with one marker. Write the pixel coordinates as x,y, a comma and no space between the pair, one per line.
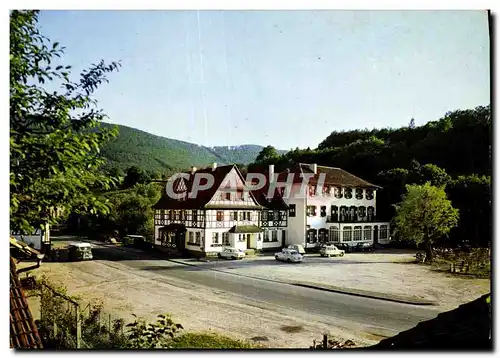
154,153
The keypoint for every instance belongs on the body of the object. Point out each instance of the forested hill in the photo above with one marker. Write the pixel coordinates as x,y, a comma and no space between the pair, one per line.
454,151
159,154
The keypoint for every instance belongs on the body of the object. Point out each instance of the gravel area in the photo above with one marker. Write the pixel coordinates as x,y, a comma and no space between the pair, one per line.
124,291
389,271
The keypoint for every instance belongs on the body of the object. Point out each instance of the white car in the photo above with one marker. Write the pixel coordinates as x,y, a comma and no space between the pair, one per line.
288,255
298,248
331,250
231,253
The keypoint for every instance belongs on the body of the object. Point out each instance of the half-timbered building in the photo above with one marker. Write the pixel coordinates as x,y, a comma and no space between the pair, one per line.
226,214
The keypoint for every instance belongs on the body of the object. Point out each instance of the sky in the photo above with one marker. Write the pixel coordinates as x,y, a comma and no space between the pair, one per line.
281,78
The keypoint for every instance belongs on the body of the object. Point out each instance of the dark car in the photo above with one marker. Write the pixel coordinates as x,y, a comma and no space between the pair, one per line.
344,246
364,246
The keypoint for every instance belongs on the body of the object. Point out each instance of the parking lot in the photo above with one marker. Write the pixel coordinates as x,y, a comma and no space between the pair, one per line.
388,271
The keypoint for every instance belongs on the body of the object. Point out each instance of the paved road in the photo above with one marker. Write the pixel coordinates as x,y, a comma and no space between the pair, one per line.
377,316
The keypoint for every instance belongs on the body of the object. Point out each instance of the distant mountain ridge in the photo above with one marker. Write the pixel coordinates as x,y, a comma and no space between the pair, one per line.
155,153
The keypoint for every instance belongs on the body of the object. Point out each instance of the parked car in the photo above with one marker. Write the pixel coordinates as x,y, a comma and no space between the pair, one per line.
289,255
298,248
231,253
331,250
343,246
364,246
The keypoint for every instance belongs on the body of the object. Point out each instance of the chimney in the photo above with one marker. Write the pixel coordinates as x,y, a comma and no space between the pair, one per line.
271,173
314,168
214,166
193,170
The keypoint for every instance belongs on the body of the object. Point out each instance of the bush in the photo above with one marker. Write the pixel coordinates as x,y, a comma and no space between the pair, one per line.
207,340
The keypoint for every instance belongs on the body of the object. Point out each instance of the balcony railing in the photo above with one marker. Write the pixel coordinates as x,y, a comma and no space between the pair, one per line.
332,219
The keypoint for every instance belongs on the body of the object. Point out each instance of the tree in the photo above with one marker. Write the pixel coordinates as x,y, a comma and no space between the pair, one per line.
425,215
135,175
412,123
472,196
55,136
267,154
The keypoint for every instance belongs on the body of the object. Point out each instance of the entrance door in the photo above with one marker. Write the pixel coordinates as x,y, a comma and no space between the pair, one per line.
283,238
248,241
375,234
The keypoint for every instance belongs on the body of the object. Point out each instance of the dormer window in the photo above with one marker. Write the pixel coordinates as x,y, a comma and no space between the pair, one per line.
359,194
369,194
348,193
338,192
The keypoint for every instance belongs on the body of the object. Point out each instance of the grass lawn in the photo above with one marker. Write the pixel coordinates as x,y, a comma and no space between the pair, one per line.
208,341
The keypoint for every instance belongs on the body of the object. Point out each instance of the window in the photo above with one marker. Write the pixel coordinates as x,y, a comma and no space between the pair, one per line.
264,216
369,194
195,215
292,209
220,216
228,196
326,190
322,235
371,213
311,236
234,216
335,213
170,215
183,215
266,236
242,216
239,194
338,192
312,190
225,238
191,238
347,234
198,238
367,233
384,232
323,211
357,236
215,237
177,214
359,194
348,193
362,213
248,215
334,234
274,234
276,215
352,213
343,213
311,210
241,237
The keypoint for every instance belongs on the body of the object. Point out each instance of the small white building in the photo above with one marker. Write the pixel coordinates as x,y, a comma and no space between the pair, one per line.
334,206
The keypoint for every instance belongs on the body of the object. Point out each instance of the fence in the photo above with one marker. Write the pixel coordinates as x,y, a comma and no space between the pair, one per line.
65,323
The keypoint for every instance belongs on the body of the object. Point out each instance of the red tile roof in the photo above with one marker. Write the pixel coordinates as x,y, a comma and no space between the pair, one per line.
261,195
23,331
333,176
203,196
